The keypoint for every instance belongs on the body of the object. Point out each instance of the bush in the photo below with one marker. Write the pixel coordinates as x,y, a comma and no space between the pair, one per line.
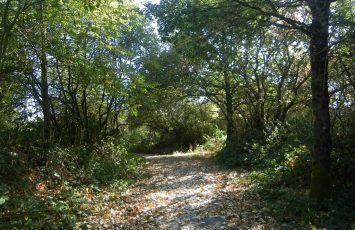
174,125
13,167
111,162
141,140
343,170
280,172
68,160
230,156
281,156
214,142
56,189
100,164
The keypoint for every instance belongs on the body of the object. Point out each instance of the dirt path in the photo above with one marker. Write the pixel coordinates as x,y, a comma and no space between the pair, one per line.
187,192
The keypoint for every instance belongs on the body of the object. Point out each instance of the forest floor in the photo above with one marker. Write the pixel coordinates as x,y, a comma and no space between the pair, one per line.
184,191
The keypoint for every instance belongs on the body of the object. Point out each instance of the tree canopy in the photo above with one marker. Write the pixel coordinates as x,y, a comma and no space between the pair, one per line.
263,85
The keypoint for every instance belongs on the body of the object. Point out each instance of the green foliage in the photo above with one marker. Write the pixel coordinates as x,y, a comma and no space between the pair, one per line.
109,75
278,161
214,142
102,164
228,155
280,173
169,120
343,171
282,156
294,209
50,196
13,167
69,159
111,162
142,140
25,210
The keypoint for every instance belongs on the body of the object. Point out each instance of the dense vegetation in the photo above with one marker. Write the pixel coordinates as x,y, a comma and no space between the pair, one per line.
267,85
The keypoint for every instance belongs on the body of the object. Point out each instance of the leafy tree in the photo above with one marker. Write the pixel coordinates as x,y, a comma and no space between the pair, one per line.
310,18
176,116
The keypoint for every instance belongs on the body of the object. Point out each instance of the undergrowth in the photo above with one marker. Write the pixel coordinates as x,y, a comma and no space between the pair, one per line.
280,168
59,193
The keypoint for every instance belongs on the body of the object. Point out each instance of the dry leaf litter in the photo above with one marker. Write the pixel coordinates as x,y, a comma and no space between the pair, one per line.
186,192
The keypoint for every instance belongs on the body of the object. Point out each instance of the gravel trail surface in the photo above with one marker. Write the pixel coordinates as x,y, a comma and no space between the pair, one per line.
186,191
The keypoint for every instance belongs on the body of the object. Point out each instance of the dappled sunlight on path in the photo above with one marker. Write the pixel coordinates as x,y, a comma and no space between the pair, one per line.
186,191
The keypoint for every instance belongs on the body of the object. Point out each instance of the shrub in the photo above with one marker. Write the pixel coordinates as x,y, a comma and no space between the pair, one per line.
111,162
141,140
214,142
58,187
100,164
343,170
230,156
13,167
71,159
281,156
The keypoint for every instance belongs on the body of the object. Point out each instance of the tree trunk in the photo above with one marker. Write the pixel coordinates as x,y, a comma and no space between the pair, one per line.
259,116
85,115
278,117
320,178
229,110
44,83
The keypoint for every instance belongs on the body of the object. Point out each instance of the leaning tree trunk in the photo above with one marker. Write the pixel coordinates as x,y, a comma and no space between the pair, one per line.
320,178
